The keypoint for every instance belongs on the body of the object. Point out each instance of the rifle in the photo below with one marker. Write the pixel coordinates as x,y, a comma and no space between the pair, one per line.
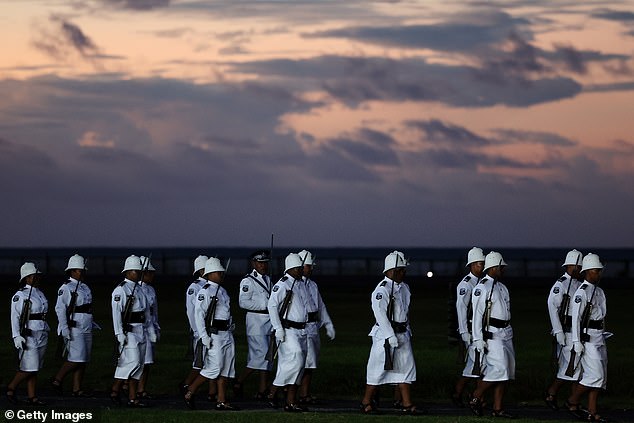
562,313
486,334
389,354
583,336
70,314
477,365
25,313
126,315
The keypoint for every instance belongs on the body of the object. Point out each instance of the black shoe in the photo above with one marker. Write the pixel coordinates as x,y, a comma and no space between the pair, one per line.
136,404
476,406
225,406
142,395
502,413
576,411
82,394
272,401
10,394
35,402
368,408
457,400
307,400
411,410
115,397
596,418
551,401
182,388
261,396
293,408
189,400
238,392
57,386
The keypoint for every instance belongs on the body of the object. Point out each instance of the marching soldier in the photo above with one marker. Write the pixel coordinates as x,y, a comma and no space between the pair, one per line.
317,317
191,297
212,315
30,333
287,308
255,290
391,358
475,262
493,335
146,284
588,340
75,323
130,311
559,311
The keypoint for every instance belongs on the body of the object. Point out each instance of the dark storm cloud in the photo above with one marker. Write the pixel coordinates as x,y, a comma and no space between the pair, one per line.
138,4
368,147
466,159
472,32
615,15
506,136
616,86
64,39
439,132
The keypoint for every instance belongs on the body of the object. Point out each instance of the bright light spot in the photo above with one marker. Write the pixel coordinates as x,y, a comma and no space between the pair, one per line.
430,274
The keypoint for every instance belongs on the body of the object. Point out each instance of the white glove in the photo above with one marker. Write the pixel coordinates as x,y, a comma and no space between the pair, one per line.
480,345
66,333
466,337
578,347
393,341
121,338
206,341
19,342
152,336
561,338
280,335
330,331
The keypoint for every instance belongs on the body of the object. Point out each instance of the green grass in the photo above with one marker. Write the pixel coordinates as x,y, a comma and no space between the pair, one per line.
342,367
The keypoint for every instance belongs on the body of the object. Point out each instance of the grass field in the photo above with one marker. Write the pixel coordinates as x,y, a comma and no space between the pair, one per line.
342,368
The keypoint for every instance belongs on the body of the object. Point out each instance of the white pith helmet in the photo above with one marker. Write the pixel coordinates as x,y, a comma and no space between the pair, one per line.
573,258
132,263
213,265
393,260
199,263
591,261
28,269
146,264
291,261
493,259
474,255
76,262
307,256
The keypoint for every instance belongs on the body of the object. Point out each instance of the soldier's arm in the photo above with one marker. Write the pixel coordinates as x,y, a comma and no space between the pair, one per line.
478,301
17,302
578,304
275,300
245,298
463,299
200,310
119,298
380,300
61,306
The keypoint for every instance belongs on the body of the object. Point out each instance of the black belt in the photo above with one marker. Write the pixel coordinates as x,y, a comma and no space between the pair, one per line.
265,311
84,308
500,324
137,317
220,325
291,324
37,316
399,327
313,316
595,324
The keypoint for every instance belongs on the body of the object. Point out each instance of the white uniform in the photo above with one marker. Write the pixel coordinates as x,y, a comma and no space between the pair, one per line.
150,295
190,303
255,290
465,313
220,358
594,359
403,357
37,328
78,327
317,317
565,286
131,359
292,352
500,356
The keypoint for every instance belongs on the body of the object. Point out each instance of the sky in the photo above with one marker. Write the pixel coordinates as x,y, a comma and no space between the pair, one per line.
328,123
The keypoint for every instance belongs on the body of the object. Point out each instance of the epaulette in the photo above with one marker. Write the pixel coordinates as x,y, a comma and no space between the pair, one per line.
68,281
467,278
383,283
562,279
484,279
284,278
207,285
122,283
583,286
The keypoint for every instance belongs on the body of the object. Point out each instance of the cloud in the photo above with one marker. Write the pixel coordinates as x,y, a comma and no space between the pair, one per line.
625,16
441,133
138,4
506,136
64,41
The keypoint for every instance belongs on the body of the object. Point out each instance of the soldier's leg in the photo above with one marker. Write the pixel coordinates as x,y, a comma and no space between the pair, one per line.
498,396
593,396
264,381
78,377
368,395
66,368
304,388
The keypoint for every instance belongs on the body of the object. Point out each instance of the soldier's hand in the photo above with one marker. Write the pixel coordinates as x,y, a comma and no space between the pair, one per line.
280,335
561,338
578,347
152,336
330,331
466,337
66,333
206,341
19,342
393,341
121,339
480,345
